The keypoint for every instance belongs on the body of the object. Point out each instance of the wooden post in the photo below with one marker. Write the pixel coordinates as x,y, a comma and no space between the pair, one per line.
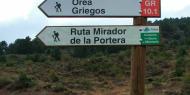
138,63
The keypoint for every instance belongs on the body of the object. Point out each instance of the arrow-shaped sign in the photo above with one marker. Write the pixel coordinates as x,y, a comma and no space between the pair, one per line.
99,35
101,8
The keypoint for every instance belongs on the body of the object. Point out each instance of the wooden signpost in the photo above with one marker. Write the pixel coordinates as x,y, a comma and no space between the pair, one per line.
139,36
138,63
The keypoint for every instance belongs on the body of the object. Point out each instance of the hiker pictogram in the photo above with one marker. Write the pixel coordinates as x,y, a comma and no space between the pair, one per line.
58,7
55,36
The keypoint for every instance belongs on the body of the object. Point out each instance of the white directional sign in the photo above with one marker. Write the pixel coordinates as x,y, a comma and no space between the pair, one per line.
99,35
100,8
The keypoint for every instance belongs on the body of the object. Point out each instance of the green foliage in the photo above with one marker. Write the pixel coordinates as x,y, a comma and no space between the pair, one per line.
58,87
175,32
179,72
85,84
13,57
102,66
157,55
158,81
180,66
97,65
81,83
11,64
171,92
14,61
181,52
3,47
4,82
36,57
38,46
67,57
80,64
23,81
21,46
3,58
26,46
83,52
53,77
153,70
156,84
55,53
186,86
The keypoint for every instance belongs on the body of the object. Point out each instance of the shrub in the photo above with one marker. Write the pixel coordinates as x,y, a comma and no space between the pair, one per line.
179,71
180,67
80,84
53,77
13,57
4,82
186,86
85,84
102,66
36,57
156,84
58,87
181,52
153,70
171,92
23,81
3,58
81,52
67,57
56,53
10,64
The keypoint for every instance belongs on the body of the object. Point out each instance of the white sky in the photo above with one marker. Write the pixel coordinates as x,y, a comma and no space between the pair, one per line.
14,9
21,18
174,5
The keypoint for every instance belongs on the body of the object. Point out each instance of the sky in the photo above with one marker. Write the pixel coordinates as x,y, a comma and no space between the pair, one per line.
21,18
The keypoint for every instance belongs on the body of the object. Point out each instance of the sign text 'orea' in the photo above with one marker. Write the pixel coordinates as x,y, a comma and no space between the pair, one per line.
79,9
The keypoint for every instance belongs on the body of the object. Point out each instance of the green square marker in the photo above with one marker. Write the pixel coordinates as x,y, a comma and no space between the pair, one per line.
150,38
